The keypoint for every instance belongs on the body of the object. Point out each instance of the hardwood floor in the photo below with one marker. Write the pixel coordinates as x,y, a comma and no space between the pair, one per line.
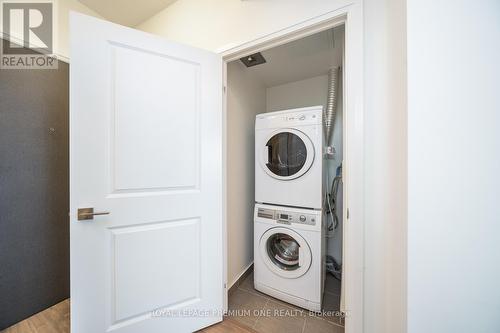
52,320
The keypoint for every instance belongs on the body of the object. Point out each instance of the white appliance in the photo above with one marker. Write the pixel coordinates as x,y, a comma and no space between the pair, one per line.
289,157
289,254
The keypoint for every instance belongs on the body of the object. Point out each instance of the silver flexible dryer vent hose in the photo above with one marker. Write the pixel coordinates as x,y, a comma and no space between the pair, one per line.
331,106
329,123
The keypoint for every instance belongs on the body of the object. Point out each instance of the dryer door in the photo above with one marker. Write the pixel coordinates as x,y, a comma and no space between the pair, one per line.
286,154
285,252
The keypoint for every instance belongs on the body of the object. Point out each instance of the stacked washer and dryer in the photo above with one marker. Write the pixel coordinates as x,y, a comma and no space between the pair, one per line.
290,228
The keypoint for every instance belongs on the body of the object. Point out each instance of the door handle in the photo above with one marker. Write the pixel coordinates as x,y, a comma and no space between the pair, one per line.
88,213
301,257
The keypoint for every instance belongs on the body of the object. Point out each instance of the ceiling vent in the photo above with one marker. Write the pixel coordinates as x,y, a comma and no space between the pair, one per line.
253,59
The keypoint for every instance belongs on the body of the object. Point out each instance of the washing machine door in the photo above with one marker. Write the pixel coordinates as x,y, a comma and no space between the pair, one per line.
286,154
285,252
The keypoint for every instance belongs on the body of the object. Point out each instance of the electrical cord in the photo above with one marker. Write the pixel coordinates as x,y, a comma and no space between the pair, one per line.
331,200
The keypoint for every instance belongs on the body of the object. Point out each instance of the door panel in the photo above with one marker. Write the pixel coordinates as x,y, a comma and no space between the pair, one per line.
145,121
145,132
139,251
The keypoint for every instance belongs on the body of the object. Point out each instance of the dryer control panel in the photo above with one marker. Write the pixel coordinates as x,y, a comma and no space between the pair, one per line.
289,118
287,217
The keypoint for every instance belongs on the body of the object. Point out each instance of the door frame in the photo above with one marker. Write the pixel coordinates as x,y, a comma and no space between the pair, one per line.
353,143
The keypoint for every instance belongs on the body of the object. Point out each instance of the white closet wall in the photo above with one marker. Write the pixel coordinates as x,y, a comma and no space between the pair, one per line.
298,94
245,99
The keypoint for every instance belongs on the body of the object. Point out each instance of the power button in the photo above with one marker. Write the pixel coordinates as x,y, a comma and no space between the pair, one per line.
302,218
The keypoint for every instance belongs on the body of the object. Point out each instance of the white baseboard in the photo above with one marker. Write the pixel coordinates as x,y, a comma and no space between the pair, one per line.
240,275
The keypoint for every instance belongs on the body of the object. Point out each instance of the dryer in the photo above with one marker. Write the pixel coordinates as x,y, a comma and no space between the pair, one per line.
289,157
289,254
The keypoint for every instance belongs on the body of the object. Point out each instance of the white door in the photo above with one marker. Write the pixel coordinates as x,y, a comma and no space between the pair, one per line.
145,128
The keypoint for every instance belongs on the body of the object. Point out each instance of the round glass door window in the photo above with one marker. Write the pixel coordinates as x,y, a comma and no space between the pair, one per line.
283,250
287,154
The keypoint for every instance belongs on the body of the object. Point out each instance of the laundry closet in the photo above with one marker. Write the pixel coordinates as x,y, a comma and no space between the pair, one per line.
295,75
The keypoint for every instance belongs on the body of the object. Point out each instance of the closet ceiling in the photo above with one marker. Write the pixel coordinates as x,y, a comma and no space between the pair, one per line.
301,59
127,12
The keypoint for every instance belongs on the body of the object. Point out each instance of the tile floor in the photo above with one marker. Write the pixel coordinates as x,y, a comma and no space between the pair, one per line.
281,317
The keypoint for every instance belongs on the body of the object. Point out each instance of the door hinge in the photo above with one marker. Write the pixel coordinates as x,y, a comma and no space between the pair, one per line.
224,89
225,285
347,214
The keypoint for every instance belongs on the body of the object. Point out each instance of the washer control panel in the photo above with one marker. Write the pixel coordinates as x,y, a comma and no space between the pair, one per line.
286,217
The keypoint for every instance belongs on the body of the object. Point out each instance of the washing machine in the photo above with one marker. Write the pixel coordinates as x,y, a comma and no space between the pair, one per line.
289,254
289,157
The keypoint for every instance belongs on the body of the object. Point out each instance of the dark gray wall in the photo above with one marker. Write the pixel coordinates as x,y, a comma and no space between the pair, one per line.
34,191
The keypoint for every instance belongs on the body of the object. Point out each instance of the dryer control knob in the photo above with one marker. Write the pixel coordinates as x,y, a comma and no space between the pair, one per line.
302,117
302,218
